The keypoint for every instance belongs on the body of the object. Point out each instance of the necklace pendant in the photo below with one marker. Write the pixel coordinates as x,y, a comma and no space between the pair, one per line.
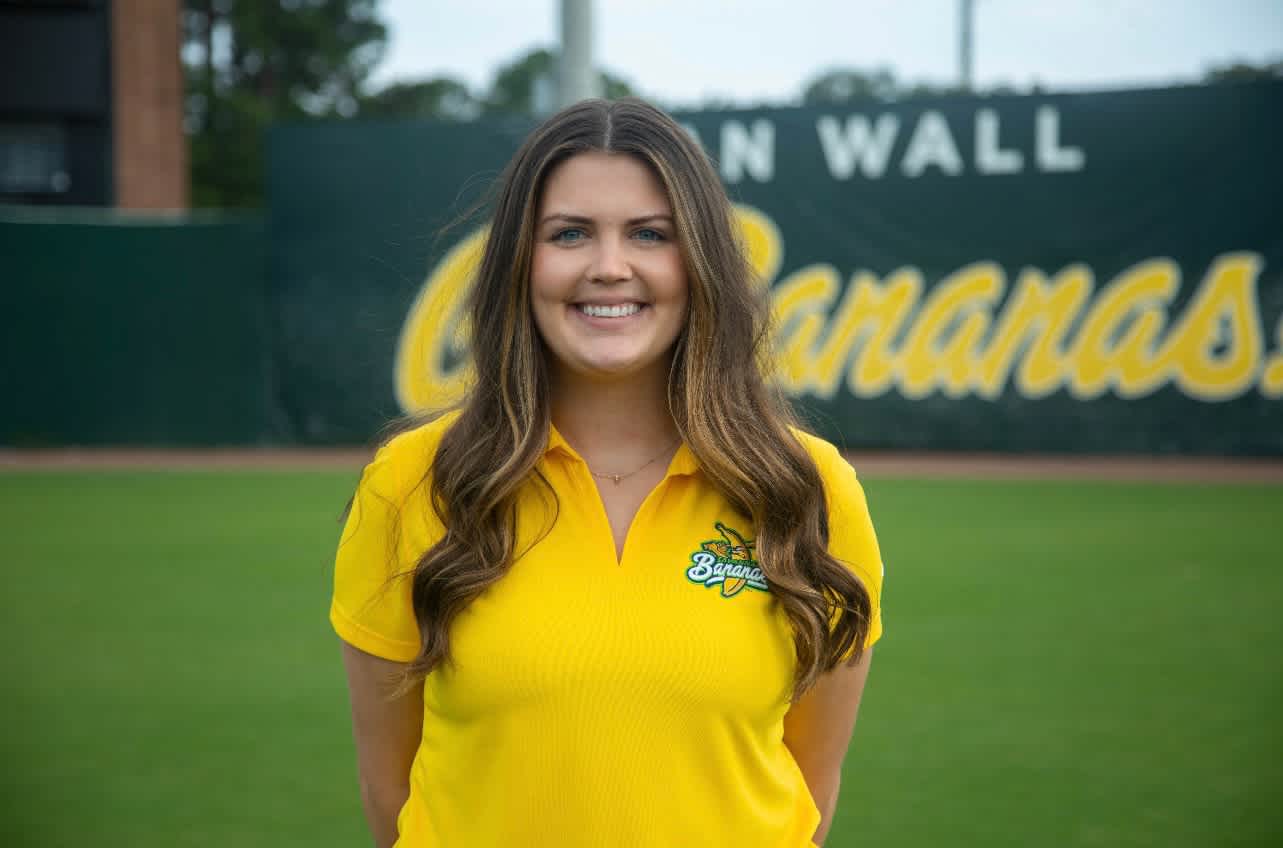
615,477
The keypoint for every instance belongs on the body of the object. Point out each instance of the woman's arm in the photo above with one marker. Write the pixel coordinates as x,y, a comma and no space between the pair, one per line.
817,730
387,734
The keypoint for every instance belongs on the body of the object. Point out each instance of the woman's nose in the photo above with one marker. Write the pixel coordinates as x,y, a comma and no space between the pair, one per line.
610,261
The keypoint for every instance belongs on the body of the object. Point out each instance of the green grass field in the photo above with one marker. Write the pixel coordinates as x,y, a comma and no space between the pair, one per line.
1066,664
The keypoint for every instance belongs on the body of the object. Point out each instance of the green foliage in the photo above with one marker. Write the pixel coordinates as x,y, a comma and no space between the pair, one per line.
613,87
850,85
1244,72
527,85
227,152
443,98
846,84
250,62
515,87
839,86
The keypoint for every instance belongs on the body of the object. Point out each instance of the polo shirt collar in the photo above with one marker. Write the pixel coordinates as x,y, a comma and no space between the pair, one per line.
557,442
684,461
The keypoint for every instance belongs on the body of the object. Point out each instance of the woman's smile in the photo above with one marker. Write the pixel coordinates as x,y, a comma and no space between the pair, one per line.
616,310
610,316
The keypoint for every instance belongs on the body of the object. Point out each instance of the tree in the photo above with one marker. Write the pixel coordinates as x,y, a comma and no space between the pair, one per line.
250,62
528,84
1244,72
517,85
848,85
843,85
443,98
613,87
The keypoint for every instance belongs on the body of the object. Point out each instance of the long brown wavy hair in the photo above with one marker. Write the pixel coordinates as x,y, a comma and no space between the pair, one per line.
735,423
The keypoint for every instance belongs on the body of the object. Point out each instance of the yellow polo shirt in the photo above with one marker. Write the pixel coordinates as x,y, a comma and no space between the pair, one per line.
595,701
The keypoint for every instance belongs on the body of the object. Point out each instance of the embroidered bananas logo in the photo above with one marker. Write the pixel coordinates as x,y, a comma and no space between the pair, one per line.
727,562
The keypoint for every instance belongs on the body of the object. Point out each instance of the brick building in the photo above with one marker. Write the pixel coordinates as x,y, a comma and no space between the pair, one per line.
91,104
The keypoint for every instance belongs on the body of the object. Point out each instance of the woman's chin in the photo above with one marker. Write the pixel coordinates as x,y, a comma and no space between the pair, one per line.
611,368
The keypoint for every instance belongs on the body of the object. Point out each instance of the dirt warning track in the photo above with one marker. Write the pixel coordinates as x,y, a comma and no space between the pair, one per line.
870,464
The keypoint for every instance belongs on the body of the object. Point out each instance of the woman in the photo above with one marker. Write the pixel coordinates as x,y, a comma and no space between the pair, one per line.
627,601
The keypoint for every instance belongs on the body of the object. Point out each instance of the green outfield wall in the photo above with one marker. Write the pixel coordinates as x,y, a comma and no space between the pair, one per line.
1097,272
133,331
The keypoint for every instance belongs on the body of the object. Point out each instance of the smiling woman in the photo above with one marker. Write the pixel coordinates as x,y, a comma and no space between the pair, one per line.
525,581
607,286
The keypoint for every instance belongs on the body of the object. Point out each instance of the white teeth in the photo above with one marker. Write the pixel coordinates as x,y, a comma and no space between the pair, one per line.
618,311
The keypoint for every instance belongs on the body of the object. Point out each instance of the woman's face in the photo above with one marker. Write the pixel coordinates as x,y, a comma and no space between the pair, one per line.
608,286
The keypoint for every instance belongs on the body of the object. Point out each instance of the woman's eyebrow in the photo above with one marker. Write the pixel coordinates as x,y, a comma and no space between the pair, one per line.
645,219
566,217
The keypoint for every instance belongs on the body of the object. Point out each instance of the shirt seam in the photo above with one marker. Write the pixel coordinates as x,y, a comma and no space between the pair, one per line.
364,638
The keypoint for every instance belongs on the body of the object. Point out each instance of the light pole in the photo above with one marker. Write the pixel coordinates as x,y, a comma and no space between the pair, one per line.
578,79
966,9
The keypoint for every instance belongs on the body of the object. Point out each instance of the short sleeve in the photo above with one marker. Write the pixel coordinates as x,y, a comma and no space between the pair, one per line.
851,536
383,536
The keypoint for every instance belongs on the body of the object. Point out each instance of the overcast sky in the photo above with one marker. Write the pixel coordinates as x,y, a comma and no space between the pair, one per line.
683,51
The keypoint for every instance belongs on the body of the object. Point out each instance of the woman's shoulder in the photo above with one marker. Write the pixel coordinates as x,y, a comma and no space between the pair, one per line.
404,460
851,535
826,456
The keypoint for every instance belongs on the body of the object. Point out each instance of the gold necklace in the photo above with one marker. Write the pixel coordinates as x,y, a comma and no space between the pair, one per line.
618,477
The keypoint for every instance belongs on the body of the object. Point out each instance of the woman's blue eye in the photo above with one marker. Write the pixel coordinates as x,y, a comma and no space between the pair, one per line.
648,234
570,234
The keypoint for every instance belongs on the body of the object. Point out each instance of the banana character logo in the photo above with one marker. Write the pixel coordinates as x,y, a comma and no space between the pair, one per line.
727,562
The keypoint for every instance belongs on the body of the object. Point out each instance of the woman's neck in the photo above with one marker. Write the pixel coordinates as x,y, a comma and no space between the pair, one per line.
614,422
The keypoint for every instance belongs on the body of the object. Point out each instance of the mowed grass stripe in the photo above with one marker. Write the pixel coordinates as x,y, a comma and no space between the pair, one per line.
1074,664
